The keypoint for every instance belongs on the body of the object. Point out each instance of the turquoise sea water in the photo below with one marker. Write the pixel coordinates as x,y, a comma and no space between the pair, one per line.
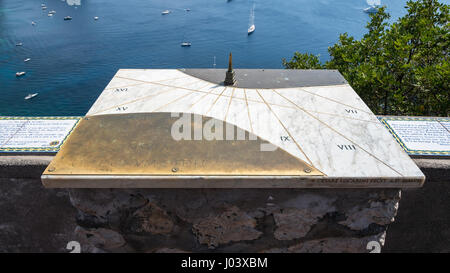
72,61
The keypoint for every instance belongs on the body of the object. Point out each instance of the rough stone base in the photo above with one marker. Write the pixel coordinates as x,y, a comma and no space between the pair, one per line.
233,220
34,219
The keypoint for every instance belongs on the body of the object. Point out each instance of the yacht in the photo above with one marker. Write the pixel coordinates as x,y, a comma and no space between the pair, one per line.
67,18
165,12
29,96
18,74
185,44
27,60
251,29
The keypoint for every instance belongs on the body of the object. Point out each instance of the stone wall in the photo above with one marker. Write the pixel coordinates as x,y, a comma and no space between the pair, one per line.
232,220
35,219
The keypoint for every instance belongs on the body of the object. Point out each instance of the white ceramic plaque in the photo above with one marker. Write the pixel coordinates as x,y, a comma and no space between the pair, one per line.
420,135
34,134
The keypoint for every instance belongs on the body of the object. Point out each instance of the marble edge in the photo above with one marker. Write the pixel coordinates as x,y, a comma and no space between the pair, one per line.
114,181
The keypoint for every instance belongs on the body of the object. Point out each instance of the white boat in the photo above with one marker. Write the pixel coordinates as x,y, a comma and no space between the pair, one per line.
44,7
95,18
19,44
27,60
29,96
187,9
185,44
52,12
251,29
33,23
371,9
251,24
165,12
18,74
67,18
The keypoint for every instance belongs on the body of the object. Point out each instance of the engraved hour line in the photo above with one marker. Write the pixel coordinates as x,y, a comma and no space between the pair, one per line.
158,82
335,101
337,132
298,146
108,88
185,95
212,105
168,85
332,114
140,83
118,105
138,99
204,95
248,111
143,82
177,78
229,104
293,107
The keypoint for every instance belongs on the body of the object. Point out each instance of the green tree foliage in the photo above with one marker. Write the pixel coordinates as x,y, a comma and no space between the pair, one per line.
400,68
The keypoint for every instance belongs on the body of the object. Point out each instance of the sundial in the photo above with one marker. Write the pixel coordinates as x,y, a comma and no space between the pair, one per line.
281,128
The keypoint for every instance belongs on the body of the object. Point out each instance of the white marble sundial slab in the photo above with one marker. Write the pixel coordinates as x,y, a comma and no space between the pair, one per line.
328,128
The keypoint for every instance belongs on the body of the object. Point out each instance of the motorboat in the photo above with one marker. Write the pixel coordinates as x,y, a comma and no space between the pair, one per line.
186,44
19,74
52,12
67,18
165,12
95,18
44,7
27,60
33,23
29,96
19,44
251,29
